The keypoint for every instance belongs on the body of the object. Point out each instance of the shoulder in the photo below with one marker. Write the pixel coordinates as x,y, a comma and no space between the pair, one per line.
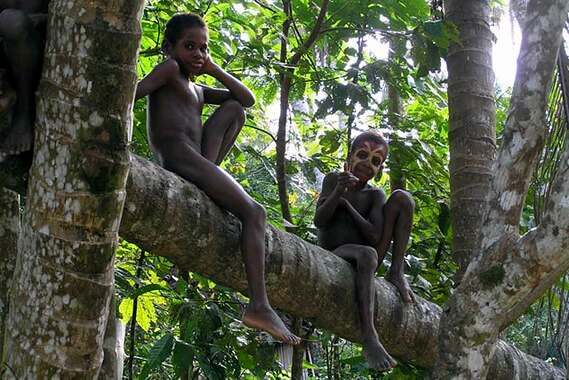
331,175
375,192
167,68
330,178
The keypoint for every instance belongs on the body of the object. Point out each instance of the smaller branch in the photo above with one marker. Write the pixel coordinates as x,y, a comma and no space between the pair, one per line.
313,35
263,131
266,6
386,33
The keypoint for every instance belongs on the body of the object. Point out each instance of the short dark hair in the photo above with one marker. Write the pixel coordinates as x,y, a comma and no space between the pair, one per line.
177,24
370,135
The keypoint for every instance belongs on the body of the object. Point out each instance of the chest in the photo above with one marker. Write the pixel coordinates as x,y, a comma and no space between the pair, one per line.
361,200
189,93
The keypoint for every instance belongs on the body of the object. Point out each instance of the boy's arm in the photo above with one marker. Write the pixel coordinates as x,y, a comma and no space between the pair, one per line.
333,187
371,228
158,77
235,88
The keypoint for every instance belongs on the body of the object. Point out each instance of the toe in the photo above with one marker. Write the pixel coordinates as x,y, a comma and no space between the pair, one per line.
294,339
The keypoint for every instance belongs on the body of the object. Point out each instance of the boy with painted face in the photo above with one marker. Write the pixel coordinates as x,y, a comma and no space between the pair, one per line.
356,222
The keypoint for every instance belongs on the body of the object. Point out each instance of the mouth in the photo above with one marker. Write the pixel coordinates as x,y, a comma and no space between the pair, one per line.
195,66
362,171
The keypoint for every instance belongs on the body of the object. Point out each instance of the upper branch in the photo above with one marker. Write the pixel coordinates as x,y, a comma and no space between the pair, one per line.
546,246
525,125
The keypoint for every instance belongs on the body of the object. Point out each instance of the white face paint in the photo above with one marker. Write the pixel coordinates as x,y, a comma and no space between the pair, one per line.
367,160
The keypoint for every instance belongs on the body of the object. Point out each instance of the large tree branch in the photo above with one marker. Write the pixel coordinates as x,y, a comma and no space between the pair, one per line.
524,135
170,217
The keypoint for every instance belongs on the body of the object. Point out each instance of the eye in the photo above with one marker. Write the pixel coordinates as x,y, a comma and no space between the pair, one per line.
190,45
203,49
376,161
361,155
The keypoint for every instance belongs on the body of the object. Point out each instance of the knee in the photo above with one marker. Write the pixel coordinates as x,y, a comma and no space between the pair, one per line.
255,212
404,201
234,108
14,24
367,259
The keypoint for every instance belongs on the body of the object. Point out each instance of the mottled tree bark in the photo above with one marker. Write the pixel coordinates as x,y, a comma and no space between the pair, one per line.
472,116
512,271
9,229
64,272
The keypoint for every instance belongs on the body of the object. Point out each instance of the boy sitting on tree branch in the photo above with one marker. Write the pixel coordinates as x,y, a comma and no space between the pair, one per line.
356,223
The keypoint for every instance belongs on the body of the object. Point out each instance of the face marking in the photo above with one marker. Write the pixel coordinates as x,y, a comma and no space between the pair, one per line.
367,160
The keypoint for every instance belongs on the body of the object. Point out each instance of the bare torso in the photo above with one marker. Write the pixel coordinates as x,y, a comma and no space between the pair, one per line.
174,115
342,229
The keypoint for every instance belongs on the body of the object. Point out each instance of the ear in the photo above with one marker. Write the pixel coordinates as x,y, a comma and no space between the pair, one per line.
166,47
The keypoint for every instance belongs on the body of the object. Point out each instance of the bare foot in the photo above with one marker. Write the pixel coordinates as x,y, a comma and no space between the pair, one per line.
20,136
265,318
402,285
376,356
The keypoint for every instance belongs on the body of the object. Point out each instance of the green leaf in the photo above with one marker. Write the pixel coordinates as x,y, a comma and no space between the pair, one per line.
158,353
182,358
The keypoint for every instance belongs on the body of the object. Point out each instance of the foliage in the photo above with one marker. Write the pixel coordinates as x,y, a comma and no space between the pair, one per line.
187,325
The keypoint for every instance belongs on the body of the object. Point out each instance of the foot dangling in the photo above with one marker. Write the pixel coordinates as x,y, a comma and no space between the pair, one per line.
264,318
20,136
376,356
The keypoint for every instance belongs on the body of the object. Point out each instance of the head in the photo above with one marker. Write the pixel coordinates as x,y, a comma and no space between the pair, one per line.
186,41
367,155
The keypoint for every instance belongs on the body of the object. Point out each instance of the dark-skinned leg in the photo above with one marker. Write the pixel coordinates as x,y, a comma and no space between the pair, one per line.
398,220
221,130
24,48
7,92
365,259
185,161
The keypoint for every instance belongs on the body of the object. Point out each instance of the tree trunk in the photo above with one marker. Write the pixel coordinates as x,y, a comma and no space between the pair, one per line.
76,190
472,117
512,271
9,229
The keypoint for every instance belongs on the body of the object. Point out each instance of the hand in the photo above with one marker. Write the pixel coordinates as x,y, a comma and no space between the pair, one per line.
209,67
346,181
344,202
